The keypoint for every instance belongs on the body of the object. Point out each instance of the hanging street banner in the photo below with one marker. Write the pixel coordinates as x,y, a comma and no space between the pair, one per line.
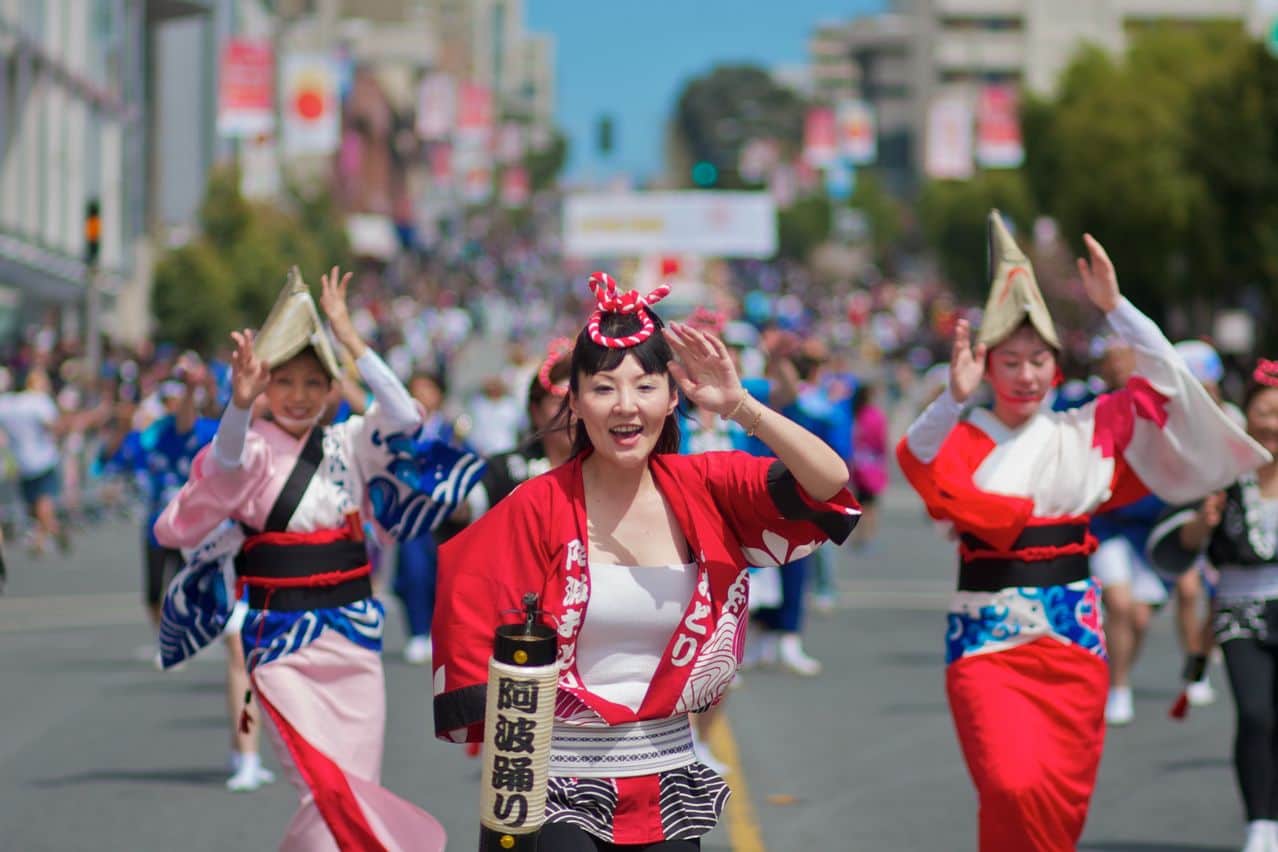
998,129
949,139
820,143
701,223
246,89
855,132
312,120
436,107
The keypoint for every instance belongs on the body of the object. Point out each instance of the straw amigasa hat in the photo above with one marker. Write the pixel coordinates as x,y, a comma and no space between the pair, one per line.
1014,294
292,325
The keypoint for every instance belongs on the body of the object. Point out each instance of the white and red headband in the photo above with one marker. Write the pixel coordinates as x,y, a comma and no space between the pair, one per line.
609,301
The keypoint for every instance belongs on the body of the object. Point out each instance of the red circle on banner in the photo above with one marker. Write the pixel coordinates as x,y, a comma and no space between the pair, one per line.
309,104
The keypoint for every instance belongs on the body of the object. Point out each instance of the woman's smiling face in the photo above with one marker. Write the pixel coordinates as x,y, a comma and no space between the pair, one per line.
623,411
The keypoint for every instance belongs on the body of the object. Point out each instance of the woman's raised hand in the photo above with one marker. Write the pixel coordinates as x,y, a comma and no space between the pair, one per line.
704,370
249,373
1099,279
967,365
333,288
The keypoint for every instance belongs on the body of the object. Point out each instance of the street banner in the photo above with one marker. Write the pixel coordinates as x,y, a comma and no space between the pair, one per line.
436,107
949,139
246,89
819,140
855,132
998,129
510,142
515,187
474,116
702,223
312,121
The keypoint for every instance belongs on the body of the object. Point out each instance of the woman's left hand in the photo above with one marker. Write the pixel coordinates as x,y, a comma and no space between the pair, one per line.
704,372
1099,279
333,300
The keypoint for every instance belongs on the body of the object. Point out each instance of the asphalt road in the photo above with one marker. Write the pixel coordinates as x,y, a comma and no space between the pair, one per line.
100,752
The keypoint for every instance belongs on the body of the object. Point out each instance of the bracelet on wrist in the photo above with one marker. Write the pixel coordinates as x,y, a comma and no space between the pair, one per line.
754,424
733,413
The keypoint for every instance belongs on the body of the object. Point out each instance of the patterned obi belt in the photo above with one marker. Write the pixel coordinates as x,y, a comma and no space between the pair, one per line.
1047,555
298,571
621,751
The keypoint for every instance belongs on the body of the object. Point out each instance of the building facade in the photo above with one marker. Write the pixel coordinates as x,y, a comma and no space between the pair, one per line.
902,60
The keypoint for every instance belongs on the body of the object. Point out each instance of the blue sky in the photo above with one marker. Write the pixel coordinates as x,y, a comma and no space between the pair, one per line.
631,59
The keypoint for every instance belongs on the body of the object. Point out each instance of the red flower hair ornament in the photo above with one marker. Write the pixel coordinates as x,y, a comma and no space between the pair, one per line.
1266,373
609,301
559,348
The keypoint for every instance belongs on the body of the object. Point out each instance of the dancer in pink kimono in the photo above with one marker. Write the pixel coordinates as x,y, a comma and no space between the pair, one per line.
313,634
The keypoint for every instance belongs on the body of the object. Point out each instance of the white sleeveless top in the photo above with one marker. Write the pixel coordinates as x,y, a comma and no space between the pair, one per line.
632,614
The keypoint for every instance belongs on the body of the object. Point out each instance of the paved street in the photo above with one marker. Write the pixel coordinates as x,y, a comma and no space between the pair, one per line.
100,752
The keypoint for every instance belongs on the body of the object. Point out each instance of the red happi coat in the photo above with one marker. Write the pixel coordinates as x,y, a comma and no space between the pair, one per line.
735,510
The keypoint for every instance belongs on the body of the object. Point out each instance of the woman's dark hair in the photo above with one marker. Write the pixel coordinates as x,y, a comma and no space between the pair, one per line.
1254,389
309,352
862,397
654,354
559,374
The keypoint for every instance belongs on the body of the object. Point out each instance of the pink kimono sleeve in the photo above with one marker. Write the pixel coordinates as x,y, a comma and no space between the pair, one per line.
771,516
213,494
484,572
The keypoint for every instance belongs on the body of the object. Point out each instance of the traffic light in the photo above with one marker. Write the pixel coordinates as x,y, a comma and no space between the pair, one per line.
92,231
705,174
605,135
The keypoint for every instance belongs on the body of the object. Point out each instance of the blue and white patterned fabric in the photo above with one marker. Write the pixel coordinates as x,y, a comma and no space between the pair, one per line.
424,481
984,622
198,602
269,635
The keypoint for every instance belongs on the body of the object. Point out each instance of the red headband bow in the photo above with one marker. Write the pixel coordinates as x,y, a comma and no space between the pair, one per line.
711,322
1266,373
559,348
609,301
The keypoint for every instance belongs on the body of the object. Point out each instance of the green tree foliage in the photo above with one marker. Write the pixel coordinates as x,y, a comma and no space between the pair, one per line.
802,226
544,166
953,215
1234,151
230,276
716,114
883,212
1109,154
193,296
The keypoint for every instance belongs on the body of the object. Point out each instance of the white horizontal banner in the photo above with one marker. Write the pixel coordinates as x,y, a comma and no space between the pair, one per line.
697,222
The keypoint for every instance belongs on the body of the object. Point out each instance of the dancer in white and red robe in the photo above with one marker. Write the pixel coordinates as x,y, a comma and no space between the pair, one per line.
1027,675
639,556
294,491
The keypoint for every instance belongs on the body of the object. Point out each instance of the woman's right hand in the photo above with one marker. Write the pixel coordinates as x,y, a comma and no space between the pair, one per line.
249,374
967,365
1213,509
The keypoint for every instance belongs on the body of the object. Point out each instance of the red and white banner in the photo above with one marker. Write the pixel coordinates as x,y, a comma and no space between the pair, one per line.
510,143
436,107
475,115
855,132
441,164
515,187
246,88
949,139
998,129
309,105
820,143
